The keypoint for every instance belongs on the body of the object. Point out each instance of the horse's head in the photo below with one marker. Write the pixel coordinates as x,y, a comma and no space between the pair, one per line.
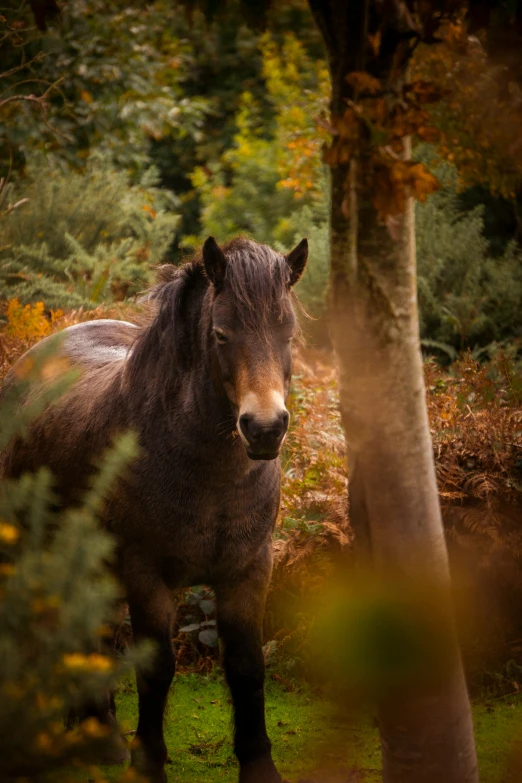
253,323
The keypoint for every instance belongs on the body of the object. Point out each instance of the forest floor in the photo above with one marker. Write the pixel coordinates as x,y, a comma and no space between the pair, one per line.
311,736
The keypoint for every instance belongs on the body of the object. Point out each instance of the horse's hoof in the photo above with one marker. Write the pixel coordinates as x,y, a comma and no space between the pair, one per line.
259,771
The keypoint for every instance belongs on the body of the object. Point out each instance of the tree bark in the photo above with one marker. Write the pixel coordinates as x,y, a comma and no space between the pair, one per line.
426,731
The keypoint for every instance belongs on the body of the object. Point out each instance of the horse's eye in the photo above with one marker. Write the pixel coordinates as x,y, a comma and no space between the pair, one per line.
220,336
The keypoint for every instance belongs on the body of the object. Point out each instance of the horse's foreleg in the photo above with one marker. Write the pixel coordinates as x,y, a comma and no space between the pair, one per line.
240,608
152,616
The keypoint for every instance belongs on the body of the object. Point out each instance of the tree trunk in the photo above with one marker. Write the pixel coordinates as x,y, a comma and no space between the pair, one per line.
426,732
426,729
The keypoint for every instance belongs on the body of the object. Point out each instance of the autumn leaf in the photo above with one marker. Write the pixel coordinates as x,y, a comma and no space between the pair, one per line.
425,91
364,82
394,181
375,42
421,181
27,322
149,210
428,133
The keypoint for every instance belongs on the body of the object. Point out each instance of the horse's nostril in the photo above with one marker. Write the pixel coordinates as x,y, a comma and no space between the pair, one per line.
277,429
261,434
246,421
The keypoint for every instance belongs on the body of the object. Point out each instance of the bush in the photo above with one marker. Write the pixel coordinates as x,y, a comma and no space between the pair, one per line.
312,288
467,297
56,597
80,238
239,192
271,184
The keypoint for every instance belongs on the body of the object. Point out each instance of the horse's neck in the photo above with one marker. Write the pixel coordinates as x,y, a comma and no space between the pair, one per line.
206,403
178,385
189,397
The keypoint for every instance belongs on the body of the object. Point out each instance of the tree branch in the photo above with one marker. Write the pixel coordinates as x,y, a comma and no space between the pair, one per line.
30,98
17,68
41,102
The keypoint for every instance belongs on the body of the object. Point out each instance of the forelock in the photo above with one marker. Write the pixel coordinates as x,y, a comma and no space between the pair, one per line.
259,279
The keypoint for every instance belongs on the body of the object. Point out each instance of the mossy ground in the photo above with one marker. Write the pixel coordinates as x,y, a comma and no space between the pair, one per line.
309,734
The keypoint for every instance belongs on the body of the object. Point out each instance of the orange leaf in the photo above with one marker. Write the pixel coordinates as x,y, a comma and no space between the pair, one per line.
364,82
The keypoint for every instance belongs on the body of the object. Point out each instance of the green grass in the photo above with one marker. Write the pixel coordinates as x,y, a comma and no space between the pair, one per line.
307,731
498,734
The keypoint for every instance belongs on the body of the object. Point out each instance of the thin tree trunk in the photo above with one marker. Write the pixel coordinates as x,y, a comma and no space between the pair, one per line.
426,732
426,729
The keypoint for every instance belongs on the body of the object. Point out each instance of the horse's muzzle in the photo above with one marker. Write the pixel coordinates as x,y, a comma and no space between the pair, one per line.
263,440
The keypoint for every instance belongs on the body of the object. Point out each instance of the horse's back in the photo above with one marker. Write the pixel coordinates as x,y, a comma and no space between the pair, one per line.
84,417
93,343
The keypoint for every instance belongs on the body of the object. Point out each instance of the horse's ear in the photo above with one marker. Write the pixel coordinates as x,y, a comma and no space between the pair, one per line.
214,262
296,260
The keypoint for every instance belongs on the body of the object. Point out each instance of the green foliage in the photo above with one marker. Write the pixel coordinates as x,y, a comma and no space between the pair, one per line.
273,168
251,203
270,184
467,297
199,621
15,417
118,72
312,222
56,597
228,59
81,238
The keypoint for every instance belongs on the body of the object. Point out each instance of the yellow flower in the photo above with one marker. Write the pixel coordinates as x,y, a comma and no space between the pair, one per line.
129,776
101,663
96,775
75,661
44,702
93,728
41,605
9,533
44,742
94,662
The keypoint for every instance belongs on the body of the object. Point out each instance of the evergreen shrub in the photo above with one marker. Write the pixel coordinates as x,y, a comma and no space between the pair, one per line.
80,238
468,298
56,598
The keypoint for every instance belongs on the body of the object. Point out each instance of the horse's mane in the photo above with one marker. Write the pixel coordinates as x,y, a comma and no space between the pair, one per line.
258,276
259,279
164,345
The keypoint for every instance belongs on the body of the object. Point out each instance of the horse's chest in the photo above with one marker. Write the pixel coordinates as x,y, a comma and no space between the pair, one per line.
205,526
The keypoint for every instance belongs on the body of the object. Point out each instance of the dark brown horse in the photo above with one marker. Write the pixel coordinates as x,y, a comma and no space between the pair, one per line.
204,385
